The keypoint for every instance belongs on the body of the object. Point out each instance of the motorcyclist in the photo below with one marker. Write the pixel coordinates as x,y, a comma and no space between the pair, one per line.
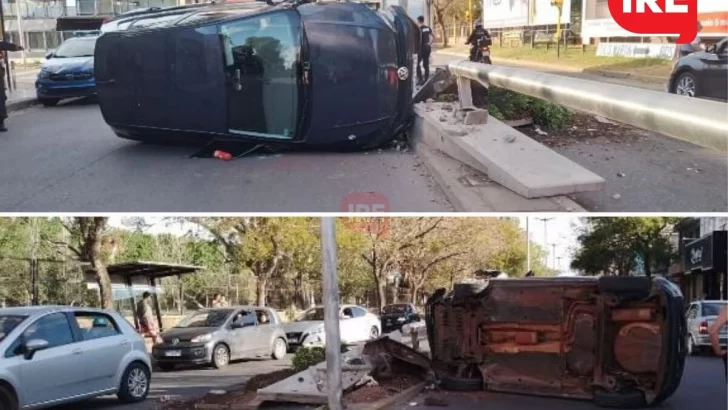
478,37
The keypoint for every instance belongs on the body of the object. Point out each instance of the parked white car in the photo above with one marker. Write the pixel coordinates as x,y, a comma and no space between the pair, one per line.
356,324
51,355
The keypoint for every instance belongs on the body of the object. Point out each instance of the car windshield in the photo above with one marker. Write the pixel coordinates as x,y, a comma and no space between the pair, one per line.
312,314
713,309
208,318
76,48
8,323
394,309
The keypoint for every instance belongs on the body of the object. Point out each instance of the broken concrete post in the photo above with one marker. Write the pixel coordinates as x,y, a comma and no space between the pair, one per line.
472,116
465,93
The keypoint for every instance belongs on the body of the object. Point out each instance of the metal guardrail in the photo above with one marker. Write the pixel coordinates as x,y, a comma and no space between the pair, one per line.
699,121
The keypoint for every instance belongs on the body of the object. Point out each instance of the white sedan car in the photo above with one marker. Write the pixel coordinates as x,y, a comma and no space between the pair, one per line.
356,324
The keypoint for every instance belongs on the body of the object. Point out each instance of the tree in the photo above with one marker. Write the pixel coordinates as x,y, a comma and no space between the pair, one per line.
86,241
612,245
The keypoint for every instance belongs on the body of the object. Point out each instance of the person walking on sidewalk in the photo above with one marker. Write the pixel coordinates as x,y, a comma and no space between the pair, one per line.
5,46
423,57
147,323
720,351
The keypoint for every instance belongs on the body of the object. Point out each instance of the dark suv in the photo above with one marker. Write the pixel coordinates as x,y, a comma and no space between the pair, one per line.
395,316
318,73
619,341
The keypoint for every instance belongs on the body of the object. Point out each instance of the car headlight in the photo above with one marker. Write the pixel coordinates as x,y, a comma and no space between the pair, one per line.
43,74
202,339
400,319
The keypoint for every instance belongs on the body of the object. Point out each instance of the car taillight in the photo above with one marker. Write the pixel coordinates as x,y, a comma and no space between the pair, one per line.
703,328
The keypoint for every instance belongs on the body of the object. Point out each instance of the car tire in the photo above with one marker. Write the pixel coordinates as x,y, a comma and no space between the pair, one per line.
8,399
689,78
627,287
49,102
135,383
279,349
460,384
220,356
373,333
631,399
166,367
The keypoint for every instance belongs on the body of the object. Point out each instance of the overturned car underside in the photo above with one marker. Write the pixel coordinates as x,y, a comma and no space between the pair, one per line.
617,341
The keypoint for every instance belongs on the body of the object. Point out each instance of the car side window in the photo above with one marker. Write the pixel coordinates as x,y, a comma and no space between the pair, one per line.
96,325
263,317
358,312
54,329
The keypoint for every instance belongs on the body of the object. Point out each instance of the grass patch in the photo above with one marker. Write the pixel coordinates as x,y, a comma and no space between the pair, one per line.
510,105
574,57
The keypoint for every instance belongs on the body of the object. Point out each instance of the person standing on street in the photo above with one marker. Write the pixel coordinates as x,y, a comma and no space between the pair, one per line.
4,48
720,351
423,57
223,302
216,300
147,323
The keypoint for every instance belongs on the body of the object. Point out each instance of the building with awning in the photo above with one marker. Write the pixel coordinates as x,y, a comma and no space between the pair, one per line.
703,258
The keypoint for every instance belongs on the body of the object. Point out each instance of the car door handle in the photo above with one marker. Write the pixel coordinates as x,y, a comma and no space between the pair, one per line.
77,351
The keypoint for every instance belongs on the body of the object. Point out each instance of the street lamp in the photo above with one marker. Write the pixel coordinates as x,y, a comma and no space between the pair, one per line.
331,314
545,243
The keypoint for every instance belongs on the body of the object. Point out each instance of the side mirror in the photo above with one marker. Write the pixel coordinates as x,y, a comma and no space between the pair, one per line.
33,346
49,55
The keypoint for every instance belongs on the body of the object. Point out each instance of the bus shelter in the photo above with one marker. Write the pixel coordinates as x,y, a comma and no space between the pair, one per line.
131,276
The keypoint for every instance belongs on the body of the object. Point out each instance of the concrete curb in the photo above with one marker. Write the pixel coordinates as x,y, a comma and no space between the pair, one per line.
21,104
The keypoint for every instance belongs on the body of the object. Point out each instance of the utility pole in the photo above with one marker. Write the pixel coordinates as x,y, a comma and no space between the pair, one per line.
331,314
21,36
558,265
545,236
553,247
528,246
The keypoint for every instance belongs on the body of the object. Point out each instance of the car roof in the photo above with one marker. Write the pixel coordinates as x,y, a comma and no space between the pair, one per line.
40,310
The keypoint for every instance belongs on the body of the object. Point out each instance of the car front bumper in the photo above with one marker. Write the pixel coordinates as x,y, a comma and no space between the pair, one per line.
305,340
47,89
188,354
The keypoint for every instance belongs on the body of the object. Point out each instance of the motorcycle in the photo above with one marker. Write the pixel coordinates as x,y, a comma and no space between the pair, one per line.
482,52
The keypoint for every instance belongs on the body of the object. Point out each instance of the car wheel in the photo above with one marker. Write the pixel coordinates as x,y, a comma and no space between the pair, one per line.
686,84
373,333
279,349
461,384
49,102
134,383
8,401
220,356
166,367
630,399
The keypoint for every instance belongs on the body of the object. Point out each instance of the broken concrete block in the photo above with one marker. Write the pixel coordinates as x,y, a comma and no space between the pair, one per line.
476,117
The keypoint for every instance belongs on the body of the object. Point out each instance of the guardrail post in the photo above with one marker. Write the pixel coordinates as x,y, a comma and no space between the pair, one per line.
465,93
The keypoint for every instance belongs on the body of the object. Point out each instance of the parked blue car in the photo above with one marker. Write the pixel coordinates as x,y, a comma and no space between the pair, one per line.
68,71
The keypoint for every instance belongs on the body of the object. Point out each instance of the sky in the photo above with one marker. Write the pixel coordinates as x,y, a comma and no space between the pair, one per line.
560,230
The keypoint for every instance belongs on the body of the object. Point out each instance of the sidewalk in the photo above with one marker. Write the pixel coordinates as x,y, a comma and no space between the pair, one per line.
21,98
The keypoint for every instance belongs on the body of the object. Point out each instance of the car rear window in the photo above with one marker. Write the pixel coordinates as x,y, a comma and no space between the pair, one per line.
713,309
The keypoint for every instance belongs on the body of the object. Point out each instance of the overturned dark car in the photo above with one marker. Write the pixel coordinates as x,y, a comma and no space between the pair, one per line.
619,341
316,73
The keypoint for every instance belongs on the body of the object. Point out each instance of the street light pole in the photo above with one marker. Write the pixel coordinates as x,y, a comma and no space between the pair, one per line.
553,247
331,314
528,246
545,236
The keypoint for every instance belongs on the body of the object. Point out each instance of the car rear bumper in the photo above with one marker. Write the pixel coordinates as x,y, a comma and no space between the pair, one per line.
704,340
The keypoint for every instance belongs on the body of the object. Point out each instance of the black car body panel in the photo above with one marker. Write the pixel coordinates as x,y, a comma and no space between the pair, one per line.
393,317
709,69
339,73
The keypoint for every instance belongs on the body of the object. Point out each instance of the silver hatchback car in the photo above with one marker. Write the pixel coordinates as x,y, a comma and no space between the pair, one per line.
51,355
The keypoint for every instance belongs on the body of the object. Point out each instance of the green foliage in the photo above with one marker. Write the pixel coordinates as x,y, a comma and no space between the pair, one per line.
306,357
510,105
612,245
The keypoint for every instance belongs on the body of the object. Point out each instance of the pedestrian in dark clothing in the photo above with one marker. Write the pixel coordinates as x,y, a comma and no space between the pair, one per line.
423,57
5,47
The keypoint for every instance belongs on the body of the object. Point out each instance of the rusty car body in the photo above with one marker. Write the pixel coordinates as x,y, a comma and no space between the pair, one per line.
619,341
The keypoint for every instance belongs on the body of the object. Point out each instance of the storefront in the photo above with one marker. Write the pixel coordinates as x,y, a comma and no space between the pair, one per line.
706,261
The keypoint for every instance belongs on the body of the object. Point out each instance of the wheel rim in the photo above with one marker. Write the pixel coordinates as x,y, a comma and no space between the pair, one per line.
221,356
137,383
280,348
374,333
685,86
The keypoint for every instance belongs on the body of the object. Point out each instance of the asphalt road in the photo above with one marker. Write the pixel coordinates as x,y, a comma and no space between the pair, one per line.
703,386
645,172
188,383
66,159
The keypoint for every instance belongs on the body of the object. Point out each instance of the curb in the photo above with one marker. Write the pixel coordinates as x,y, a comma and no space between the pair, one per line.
21,104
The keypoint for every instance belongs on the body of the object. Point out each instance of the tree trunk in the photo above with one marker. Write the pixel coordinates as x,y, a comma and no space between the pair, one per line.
261,288
102,277
381,293
415,290
441,21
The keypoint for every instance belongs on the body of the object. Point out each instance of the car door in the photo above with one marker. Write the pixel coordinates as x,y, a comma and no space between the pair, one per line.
55,373
721,71
347,324
361,323
266,327
104,347
244,339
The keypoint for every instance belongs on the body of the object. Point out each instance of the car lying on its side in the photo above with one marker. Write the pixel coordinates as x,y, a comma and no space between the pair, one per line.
619,341
53,355
218,335
356,324
395,316
702,74
318,73
68,71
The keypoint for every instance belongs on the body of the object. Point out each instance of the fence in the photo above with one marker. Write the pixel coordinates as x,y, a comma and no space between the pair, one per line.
699,121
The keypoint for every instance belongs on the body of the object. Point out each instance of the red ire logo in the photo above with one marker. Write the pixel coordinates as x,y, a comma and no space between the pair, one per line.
361,202
657,17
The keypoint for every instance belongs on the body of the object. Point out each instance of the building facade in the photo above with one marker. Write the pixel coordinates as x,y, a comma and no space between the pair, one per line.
702,244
